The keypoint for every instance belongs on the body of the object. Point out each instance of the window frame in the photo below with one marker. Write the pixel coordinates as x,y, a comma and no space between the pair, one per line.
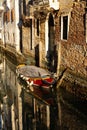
62,26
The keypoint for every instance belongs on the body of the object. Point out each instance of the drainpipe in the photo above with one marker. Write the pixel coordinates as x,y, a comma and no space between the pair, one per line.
20,108
86,20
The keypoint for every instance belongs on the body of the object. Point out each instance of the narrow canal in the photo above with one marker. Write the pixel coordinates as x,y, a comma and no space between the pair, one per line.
67,112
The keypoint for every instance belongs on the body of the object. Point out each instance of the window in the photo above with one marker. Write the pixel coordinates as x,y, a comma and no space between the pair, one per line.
12,15
31,34
8,16
64,27
37,27
5,17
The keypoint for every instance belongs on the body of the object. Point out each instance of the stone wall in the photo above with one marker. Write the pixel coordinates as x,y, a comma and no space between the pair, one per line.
27,51
42,44
73,52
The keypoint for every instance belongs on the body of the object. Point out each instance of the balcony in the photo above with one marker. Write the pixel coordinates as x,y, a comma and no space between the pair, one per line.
51,3
40,2
40,8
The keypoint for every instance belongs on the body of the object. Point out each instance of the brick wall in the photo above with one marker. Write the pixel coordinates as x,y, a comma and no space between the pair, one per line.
73,52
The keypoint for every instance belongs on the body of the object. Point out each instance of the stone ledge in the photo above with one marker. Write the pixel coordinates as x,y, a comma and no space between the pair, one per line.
74,83
13,56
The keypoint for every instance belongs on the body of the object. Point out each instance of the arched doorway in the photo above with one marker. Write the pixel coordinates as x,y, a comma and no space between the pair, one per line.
51,33
51,52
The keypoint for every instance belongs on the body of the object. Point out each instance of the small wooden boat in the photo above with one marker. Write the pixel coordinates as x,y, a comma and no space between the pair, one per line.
36,76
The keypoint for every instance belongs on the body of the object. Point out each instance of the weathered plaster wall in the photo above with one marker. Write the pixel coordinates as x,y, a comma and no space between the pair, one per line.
29,54
25,39
42,44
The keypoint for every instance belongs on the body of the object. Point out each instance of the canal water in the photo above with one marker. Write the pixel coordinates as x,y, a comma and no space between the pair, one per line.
69,113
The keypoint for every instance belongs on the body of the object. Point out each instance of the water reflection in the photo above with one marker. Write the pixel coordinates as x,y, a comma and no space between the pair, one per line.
38,110
72,111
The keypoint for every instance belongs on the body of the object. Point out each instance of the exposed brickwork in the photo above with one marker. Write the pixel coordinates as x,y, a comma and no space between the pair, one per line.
73,51
77,24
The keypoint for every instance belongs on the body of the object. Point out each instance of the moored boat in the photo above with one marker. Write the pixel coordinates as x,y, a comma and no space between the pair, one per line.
36,76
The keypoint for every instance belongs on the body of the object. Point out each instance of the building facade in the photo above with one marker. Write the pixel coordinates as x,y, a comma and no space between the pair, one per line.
39,29
39,25
50,34
53,36
11,33
1,20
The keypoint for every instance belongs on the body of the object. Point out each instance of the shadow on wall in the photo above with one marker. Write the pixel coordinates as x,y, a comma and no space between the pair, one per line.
37,55
52,60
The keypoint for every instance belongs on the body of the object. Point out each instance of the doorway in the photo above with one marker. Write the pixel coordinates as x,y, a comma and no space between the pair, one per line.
51,53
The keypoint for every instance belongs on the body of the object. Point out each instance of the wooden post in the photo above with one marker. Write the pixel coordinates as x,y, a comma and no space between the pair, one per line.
20,108
48,117
13,117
